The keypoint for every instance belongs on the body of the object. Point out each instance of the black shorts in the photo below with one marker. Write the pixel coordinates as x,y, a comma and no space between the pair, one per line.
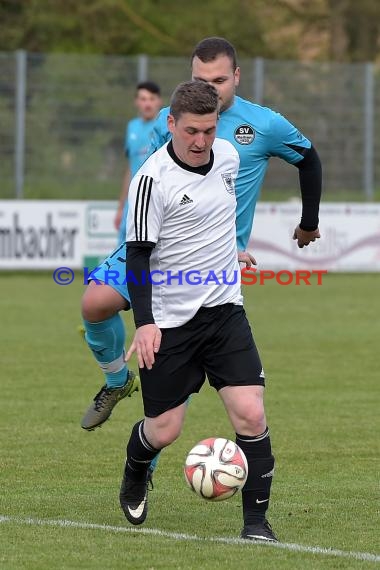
218,342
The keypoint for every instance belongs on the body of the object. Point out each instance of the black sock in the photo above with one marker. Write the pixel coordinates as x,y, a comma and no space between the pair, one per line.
139,453
256,491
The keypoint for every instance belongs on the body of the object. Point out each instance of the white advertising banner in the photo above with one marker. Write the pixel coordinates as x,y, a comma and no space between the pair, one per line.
46,234
41,234
50,234
100,236
350,238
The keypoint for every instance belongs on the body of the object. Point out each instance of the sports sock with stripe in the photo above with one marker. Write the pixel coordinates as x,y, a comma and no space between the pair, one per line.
140,453
256,491
106,340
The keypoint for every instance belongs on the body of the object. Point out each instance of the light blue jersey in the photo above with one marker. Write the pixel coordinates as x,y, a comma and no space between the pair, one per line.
257,133
137,143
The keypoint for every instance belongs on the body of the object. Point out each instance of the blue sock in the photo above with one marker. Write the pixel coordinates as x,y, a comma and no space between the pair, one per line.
106,340
153,463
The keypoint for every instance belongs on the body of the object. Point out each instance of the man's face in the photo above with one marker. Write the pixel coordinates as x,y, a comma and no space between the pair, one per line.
221,75
148,104
193,137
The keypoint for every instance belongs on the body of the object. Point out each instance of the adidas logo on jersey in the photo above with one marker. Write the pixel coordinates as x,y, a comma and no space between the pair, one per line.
185,200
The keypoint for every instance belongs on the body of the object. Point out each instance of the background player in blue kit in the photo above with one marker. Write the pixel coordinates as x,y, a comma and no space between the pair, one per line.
257,133
137,142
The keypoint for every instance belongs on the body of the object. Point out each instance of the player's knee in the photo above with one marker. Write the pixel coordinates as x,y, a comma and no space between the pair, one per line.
92,309
166,435
252,420
256,423
101,302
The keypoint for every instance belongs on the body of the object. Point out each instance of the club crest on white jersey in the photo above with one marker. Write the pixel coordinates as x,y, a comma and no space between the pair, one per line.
229,182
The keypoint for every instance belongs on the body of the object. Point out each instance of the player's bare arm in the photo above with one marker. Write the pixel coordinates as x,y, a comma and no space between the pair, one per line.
123,197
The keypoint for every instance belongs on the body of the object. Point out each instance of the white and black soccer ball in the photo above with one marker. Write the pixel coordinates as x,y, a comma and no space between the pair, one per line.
216,468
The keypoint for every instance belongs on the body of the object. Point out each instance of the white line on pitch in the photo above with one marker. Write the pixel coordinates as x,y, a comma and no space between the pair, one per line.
367,556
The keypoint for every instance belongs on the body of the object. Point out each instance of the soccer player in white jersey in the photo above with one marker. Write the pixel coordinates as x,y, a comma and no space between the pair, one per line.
181,223
266,134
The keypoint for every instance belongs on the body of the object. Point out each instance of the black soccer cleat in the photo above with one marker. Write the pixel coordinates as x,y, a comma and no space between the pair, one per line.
260,532
134,499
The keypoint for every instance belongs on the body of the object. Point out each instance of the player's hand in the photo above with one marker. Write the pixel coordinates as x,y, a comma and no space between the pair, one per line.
146,343
303,237
247,258
117,220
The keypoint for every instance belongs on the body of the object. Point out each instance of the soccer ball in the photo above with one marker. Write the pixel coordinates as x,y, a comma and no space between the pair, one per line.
216,468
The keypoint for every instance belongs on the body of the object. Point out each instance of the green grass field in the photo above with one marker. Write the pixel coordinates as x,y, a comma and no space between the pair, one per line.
320,349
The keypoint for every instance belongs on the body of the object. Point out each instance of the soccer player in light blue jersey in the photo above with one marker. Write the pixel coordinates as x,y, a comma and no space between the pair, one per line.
257,133
137,143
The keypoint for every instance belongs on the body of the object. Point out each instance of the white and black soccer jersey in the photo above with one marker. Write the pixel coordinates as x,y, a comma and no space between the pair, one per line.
188,216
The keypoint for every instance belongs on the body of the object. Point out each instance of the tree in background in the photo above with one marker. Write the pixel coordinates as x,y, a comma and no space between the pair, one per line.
337,30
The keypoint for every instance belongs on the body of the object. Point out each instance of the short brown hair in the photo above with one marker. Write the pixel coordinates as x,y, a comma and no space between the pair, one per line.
197,97
211,48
